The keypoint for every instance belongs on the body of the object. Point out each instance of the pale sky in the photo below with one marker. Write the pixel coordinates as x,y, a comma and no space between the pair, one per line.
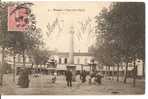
70,14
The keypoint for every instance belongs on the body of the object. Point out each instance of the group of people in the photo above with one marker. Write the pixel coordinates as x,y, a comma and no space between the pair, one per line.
83,74
23,80
96,76
69,76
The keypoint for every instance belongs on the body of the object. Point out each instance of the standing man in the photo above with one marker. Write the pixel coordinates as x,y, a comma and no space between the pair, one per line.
83,76
68,75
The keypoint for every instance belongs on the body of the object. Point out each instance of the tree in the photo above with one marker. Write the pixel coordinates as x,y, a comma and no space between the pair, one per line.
54,28
40,56
124,24
3,33
18,42
85,31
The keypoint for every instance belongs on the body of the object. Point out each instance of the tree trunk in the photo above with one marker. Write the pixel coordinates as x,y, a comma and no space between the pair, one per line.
126,70
134,73
109,71
24,63
32,65
117,72
143,68
3,61
113,68
105,71
90,67
82,67
14,68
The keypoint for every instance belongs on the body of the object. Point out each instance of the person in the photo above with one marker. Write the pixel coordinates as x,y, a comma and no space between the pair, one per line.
23,80
54,77
98,78
90,77
68,75
83,76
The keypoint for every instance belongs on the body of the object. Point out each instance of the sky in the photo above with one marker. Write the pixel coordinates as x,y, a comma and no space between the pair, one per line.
66,15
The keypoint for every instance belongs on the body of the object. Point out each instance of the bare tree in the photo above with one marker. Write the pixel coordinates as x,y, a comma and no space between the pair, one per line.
85,30
52,26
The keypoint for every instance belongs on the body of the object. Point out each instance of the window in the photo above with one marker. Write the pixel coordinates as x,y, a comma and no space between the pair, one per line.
85,60
65,60
19,58
78,61
30,59
59,60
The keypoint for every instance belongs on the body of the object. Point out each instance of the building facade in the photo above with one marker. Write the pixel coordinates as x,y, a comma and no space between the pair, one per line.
82,61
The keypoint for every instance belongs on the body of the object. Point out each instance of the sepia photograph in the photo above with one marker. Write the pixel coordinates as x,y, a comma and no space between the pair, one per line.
72,48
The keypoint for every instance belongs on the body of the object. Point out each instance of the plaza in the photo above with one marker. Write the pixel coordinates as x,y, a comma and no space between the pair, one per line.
42,86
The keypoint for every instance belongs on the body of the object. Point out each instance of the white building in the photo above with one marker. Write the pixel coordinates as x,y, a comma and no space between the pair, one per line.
18,59
80,59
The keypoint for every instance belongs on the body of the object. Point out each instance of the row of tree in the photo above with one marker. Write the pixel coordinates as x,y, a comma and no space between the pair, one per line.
120,32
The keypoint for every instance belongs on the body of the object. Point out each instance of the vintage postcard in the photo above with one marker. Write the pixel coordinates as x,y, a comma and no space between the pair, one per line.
72,48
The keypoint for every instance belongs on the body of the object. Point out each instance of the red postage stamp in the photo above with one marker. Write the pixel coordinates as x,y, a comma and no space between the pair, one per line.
17,18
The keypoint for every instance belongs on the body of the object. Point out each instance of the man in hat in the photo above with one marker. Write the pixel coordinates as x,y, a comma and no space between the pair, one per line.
68,75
